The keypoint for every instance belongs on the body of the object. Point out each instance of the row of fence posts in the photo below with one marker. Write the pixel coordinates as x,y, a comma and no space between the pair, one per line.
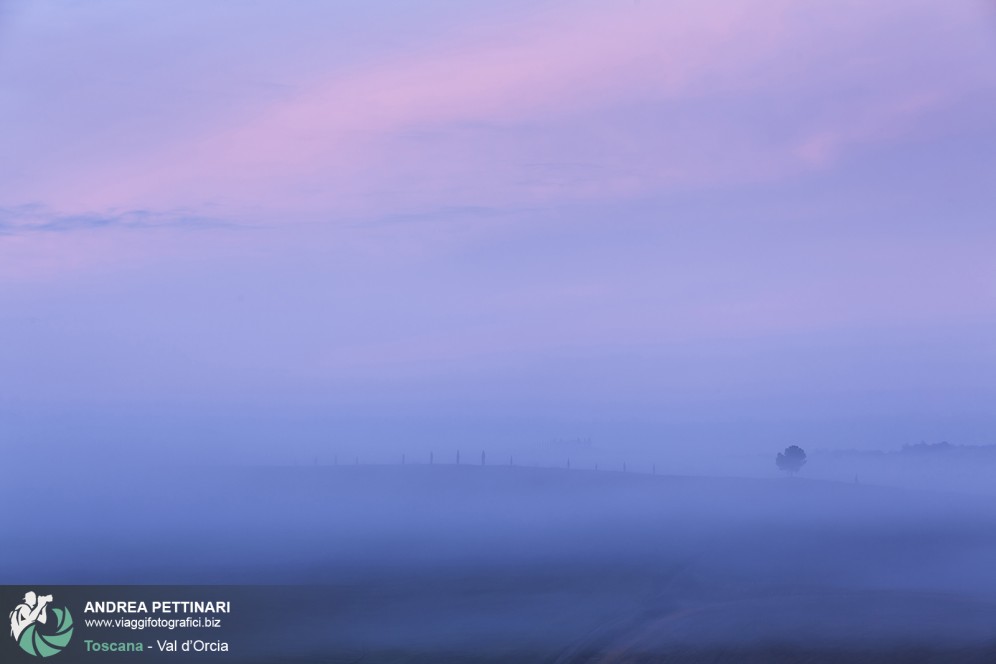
511,461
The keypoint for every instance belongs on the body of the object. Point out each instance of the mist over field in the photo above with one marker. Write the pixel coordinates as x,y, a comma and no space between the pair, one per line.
472,331
498,562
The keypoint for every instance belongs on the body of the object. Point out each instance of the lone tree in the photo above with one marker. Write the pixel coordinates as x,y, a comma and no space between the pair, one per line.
791,460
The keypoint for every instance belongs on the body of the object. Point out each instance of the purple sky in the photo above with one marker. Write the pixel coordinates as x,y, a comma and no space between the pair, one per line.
661,224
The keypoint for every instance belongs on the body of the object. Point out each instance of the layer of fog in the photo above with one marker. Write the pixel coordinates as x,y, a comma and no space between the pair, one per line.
537,558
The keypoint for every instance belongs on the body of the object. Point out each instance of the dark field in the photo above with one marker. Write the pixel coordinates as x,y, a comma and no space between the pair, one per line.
499,564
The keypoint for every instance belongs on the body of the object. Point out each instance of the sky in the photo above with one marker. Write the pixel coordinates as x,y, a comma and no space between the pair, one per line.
271,231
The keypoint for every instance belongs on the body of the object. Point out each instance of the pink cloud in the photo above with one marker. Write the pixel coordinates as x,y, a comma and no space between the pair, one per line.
336,147
574,104
342,131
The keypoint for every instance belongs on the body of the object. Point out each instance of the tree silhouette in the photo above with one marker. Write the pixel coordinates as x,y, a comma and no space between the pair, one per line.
791,460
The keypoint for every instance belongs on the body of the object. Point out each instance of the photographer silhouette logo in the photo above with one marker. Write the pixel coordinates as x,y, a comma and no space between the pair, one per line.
31,628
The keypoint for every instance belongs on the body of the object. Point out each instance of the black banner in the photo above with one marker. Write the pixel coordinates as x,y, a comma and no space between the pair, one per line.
97,624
